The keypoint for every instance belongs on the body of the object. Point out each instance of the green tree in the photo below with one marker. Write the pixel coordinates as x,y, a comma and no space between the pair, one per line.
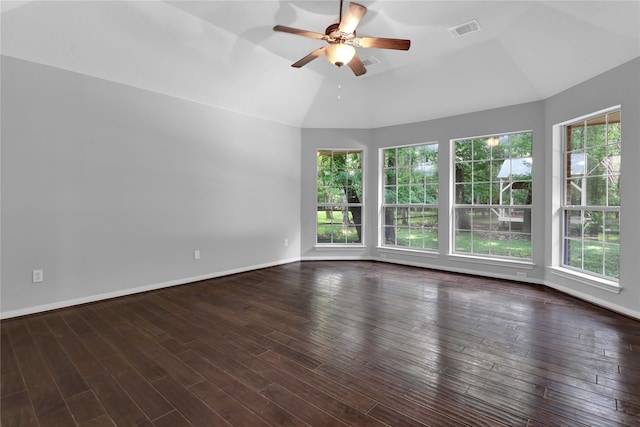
340,184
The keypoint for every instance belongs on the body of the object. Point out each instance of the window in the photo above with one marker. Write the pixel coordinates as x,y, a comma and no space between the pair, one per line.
410,203
339,197
591,202
493,189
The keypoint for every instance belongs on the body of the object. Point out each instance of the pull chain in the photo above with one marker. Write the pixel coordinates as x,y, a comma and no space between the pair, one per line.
339,82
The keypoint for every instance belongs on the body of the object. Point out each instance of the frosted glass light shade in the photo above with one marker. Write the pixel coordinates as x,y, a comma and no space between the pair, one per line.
339,53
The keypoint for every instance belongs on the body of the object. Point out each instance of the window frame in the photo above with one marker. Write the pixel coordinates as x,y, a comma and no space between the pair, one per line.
383,205
566,207
492,182
345,205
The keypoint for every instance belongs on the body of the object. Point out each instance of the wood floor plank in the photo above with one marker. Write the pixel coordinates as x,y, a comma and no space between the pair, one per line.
143,394
115,400
319,399
8,361
244,394
47,401
17,410
230,365
101,421
11,383
191,407
81,357
69,381
323,383
85,407
292,403
394,418
325,343
172,419
231,410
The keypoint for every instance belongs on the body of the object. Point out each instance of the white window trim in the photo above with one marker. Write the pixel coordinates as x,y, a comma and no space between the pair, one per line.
381,183
338,247
586,279
525,264
557,206
429,253
333,246
494,259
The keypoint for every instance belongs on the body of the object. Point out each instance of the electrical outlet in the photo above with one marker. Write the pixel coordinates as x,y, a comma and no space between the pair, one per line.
38,276
521,274
196,254
286,242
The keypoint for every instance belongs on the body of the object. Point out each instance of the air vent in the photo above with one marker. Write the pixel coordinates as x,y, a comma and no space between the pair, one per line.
370,60
466,28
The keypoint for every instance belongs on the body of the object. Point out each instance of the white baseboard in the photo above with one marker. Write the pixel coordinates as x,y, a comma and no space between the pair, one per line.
146,288
461,271
593,300
338,258
137,290
580,295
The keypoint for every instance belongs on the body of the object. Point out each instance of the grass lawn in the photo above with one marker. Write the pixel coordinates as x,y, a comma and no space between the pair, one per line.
597,257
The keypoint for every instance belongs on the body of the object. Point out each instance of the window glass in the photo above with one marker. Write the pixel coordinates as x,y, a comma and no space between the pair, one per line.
339,197
591,212
410,205
493,193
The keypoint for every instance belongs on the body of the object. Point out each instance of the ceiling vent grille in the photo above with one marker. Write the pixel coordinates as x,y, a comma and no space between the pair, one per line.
466,28
370,60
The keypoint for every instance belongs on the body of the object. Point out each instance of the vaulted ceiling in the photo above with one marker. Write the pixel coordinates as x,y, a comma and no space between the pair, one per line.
225,53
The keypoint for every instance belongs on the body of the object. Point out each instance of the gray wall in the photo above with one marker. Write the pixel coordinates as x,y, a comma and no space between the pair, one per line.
109,189
618,86
509,119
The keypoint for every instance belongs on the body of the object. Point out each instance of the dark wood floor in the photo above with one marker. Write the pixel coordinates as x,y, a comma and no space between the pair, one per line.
326,344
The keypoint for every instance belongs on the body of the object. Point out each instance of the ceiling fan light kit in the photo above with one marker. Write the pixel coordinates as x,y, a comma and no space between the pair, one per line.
342,41
340,53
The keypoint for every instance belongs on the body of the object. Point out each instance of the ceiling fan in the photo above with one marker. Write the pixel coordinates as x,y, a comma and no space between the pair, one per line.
343,41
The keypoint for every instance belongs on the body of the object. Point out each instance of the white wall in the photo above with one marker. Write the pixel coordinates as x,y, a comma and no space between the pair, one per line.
618,86
109,189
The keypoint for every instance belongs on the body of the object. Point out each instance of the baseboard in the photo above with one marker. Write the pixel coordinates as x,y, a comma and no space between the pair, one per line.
593,300
338,258
109,295
137,290
461,271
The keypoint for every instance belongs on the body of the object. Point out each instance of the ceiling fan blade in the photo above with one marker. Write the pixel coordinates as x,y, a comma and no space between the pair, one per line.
351,18
357,66
298,32
313,55
382,43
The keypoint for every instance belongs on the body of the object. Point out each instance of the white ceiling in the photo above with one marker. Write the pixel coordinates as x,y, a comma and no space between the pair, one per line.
225,53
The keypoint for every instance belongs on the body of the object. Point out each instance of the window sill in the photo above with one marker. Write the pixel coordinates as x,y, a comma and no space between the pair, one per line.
586,279
528,265
408,251
334,247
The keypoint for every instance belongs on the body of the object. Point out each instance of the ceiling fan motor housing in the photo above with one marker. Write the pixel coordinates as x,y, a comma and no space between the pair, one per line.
337,36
